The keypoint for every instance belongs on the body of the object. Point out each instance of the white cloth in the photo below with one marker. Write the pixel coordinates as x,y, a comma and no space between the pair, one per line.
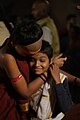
4,32
58,117
47,35
44,109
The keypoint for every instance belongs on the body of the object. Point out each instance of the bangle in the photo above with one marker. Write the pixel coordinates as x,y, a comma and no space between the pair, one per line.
13,80
43,77
24,107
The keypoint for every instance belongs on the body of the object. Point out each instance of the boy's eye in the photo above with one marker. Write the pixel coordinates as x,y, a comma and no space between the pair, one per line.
42,60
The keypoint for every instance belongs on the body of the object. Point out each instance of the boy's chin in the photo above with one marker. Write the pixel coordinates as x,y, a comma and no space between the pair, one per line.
38,73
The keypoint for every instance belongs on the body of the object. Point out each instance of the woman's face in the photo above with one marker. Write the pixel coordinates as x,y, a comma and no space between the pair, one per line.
21,50
39,63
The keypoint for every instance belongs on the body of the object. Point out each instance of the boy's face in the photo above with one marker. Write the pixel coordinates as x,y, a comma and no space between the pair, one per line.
39,63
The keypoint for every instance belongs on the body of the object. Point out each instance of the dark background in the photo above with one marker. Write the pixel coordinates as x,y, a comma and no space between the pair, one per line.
59,8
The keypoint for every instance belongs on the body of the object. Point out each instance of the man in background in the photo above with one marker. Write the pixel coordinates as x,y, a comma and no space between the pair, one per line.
40,11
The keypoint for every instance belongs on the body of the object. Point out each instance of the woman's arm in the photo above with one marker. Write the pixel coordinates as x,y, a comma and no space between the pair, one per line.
9,64
71,78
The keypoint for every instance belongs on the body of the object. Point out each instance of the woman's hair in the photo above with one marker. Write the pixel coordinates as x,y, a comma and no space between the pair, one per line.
47,49
26,33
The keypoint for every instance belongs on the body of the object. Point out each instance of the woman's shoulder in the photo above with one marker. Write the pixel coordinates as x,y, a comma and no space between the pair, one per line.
6,59
6,56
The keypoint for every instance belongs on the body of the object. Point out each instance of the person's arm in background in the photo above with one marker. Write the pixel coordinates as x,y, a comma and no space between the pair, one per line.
59,60
71,78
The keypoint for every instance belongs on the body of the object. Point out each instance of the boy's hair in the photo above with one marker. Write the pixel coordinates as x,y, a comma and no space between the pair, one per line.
26,33
47,49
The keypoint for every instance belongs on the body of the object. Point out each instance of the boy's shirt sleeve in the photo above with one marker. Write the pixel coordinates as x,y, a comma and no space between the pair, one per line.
63,94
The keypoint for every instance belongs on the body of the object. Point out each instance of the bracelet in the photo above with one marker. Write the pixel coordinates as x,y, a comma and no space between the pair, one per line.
43,77
24,107
13,80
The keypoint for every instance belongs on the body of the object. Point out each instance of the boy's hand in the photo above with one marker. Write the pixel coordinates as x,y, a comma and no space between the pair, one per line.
59,60
54,69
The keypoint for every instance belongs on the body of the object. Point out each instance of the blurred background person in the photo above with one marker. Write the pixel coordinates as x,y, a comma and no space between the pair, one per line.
40,11
71,20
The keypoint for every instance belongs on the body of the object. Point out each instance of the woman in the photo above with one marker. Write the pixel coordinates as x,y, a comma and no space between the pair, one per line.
53,97
26,39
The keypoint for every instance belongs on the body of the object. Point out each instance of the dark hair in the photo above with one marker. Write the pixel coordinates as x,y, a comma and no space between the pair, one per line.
47,49
26,33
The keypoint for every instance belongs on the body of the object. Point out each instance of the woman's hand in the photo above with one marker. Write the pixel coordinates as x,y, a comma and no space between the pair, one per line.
54,69
59,60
